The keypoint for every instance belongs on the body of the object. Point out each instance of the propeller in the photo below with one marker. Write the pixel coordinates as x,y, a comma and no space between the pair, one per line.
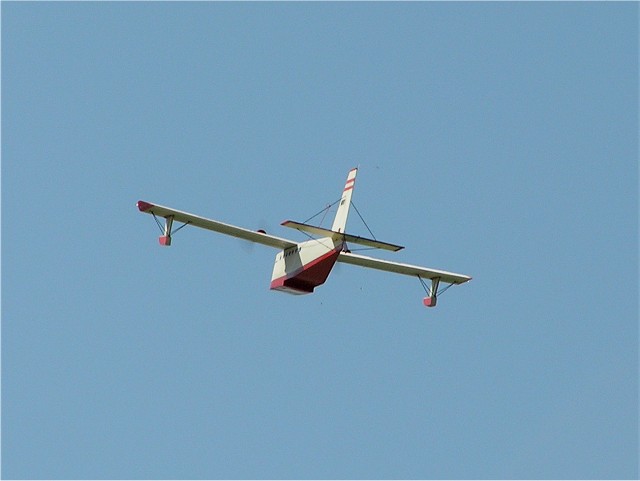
265,228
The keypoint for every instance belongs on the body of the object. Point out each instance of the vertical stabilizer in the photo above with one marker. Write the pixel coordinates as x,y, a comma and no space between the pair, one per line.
345,202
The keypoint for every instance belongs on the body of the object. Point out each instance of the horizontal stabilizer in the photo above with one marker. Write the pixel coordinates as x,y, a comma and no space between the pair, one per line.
347,237
406,269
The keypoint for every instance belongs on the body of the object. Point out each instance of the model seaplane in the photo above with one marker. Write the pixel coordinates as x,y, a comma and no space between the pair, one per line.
300,267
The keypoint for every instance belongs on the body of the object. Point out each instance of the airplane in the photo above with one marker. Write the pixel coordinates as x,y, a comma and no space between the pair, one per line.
300,267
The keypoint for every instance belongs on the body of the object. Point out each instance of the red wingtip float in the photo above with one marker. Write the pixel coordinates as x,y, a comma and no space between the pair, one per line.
429,301
300,267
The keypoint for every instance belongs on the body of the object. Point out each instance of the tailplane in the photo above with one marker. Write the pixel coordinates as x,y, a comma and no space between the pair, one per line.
337,230
340,221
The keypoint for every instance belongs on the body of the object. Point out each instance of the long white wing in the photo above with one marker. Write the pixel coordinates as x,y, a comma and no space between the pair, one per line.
215,225
398,268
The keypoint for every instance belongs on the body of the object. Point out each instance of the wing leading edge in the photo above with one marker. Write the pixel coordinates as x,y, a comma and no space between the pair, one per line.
406,269
214,225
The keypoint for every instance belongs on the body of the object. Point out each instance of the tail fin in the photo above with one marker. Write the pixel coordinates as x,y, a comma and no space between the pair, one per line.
340,221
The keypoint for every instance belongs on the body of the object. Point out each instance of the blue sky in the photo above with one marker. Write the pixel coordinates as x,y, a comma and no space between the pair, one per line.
498,140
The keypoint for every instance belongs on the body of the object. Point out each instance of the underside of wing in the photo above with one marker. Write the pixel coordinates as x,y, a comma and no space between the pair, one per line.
406,269
214,225
311,229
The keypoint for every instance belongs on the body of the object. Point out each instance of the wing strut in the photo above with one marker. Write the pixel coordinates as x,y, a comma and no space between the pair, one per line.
167,232
432,291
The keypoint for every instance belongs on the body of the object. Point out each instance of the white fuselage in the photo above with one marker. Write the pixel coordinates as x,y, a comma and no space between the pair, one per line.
300,269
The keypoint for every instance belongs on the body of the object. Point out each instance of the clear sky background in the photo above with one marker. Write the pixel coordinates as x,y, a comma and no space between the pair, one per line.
498,140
